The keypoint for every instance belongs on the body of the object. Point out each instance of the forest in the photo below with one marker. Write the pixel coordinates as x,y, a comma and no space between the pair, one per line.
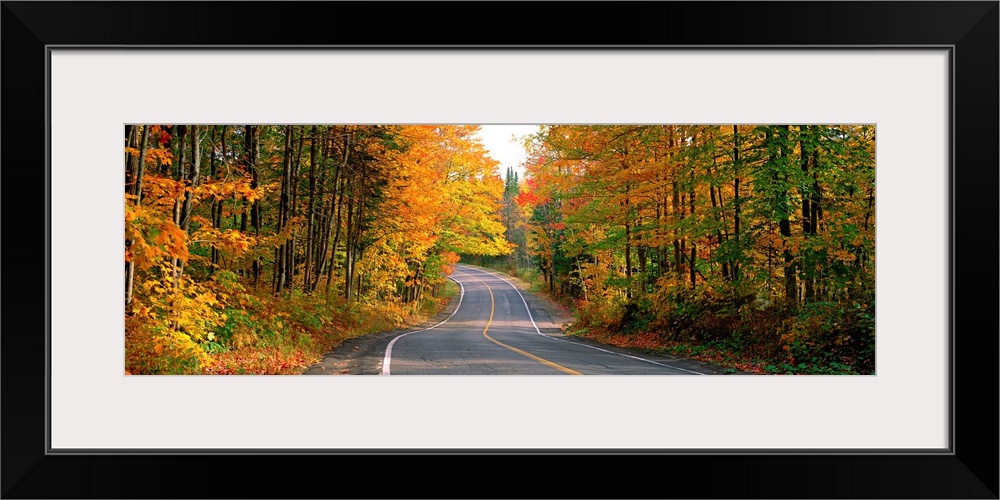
255,248
752,246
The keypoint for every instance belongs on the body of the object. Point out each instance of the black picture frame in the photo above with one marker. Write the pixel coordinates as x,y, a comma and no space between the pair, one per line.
969,470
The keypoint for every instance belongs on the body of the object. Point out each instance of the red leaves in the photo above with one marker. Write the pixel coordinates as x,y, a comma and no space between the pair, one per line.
162,136
528,199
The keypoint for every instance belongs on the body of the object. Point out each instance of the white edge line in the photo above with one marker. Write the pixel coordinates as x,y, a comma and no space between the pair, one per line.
388,350
577,343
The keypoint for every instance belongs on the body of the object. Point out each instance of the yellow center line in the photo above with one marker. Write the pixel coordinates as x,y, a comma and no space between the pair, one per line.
523,353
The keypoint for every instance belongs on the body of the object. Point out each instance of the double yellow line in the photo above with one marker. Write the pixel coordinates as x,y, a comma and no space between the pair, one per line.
543,361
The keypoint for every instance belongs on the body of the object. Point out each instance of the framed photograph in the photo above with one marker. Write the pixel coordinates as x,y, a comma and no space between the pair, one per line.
924,74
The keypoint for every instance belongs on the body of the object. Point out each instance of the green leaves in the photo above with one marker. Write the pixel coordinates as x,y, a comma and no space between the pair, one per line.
776,211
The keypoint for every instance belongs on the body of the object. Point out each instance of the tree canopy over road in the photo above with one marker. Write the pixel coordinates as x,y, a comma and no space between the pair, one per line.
283,237
753,244
255,248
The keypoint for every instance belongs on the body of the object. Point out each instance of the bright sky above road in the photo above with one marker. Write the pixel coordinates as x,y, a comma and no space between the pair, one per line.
504,144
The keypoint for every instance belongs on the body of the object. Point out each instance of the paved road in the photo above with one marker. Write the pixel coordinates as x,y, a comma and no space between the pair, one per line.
497,329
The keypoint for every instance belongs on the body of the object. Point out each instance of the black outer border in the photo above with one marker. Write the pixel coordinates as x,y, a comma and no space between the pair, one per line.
971,28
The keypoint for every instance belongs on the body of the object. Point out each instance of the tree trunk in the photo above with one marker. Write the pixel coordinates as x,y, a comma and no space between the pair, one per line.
817,208
194,176
816,213
349,241
192,181
552,263
791,288
736,205
307,273
141,166
131,160
137,192
180,169
693,244
674,202
660,262
808,198
333,227
180,172
674,206
217,219
340,183
719,218
628,247
281,256
213,173
217,204
642,253
662,252
322,220
252,142
293,211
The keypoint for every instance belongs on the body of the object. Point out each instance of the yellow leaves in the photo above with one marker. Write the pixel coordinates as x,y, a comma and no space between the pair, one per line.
201,221
154,237
132,151
159,156
141,310
172,240
190,311
240,188
234,242
160,191
207,298
773,240
130,213
286,233
844,256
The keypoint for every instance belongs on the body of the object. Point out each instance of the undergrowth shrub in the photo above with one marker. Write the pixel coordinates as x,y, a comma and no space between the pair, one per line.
837,335
171,322
698,315
736,325
600,312
152,348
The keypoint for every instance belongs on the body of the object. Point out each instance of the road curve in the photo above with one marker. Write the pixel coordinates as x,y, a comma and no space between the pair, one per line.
497,329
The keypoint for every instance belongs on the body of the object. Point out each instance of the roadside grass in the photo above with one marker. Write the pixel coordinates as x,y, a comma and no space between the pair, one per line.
653,343
822,338
535,283
431,306
725,353
264,335
732,331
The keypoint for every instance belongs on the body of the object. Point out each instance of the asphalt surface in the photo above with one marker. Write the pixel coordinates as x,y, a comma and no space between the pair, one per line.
494,327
